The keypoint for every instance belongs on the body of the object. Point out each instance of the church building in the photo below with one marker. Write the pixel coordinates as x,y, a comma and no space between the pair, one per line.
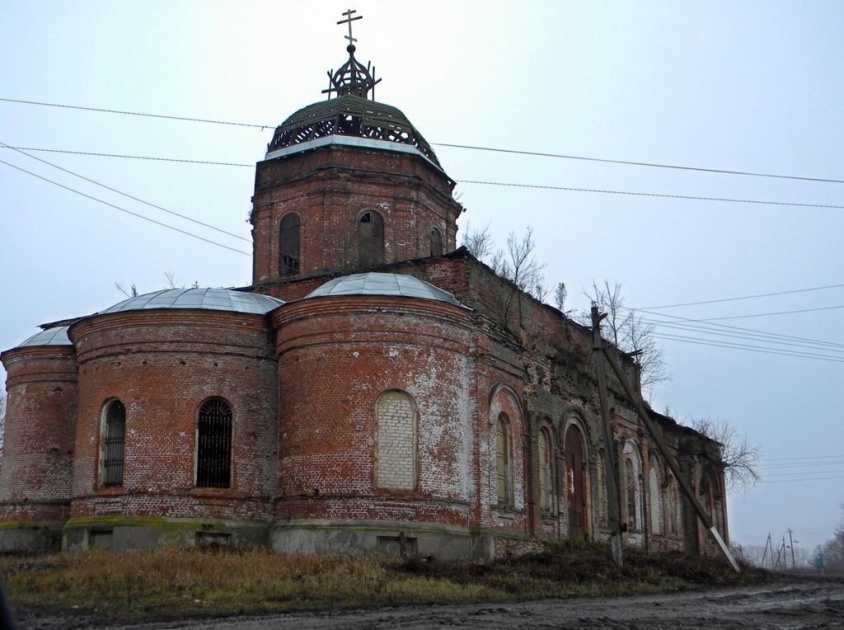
376,388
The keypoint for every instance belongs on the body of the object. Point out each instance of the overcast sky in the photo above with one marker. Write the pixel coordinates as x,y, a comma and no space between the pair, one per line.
752,86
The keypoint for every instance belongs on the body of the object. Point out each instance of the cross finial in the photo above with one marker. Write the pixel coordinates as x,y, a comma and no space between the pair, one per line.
349,19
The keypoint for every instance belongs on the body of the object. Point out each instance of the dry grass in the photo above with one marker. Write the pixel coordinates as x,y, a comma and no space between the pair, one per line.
171,582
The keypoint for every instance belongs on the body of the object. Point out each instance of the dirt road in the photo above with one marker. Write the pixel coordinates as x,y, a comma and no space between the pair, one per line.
802,604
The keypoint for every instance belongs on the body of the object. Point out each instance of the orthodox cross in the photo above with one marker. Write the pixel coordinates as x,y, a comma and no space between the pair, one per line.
349,19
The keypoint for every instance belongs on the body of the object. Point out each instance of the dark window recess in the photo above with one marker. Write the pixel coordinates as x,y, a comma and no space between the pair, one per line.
288,261
214,448
371,240
113,444
400,546
436,242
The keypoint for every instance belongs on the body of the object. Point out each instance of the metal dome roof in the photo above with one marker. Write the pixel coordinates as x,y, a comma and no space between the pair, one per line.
349,117
384,284
205,299
56,336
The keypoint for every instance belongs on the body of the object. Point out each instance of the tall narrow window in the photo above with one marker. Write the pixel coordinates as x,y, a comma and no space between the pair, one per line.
113,441
395,416
632,463
655,498
502,461
214,445
288,260
546,478
436,242
370,240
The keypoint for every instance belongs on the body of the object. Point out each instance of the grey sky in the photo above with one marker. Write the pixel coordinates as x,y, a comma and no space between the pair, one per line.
750,86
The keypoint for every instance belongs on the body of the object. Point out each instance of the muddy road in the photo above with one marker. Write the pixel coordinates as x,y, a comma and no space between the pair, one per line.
799,604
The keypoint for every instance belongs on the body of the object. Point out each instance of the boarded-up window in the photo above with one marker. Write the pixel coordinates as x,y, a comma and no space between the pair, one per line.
395,415
214,445
503,463
436,242
370,240
113,443
288,260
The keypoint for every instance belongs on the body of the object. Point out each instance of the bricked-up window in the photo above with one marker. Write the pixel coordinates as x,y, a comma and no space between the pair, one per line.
655,497
503,461
214,445
395,415
436,242
632,469
546,468
370,239
288,261
113,441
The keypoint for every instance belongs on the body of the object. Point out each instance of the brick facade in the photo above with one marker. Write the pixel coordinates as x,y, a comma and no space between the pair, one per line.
362,420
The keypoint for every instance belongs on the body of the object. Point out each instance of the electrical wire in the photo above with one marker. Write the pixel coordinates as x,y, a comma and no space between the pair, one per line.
743,297
697,169
119,192
479,182
121,209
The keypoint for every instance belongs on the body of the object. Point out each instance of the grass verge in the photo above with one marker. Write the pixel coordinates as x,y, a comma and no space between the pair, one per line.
186,583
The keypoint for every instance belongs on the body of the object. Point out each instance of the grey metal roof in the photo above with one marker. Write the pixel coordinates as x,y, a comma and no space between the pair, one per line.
51,337
205,299
387,284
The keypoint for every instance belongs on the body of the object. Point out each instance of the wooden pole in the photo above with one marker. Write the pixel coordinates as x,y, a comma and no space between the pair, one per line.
613,498
669,460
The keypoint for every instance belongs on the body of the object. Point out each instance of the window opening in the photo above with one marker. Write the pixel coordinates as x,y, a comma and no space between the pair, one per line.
371,239
214,437
546,484
114,439
288,263
502,460
436,242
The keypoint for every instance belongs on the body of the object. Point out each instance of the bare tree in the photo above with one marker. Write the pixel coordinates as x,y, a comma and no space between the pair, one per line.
478,242
518,264
629,333
131,292
739,455
560,295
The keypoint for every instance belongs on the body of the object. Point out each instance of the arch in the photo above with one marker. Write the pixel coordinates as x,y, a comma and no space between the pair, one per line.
370,239
632,482
655,503
672,508
289,246
545,457
214,444
574,447
504,461
396,440
113,443
436,238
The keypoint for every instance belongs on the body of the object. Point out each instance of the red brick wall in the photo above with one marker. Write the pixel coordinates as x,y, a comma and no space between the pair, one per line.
38,450
336,356
163,365
330,187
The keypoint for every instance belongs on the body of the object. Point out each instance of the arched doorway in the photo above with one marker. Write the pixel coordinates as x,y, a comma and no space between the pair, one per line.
575,482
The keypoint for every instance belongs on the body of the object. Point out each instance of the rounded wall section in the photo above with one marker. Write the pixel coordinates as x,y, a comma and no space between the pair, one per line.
331,188
162,365
39,434
362,376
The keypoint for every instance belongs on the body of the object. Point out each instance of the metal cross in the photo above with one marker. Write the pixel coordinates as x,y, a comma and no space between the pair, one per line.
349,19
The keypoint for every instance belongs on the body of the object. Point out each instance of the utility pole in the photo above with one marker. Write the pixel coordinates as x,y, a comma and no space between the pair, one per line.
791,543
613,495
669,459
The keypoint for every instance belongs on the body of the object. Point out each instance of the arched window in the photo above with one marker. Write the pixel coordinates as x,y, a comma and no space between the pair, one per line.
288,258
575,480
436,242
214,445
503,461
545,455
632,469
370,240
395,417
672,508
113,443
655,497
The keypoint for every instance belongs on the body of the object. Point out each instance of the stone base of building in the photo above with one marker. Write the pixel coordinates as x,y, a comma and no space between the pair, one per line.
26,538
122,533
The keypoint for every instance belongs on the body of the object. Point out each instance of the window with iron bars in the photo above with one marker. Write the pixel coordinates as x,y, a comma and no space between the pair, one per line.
113,443
214,445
